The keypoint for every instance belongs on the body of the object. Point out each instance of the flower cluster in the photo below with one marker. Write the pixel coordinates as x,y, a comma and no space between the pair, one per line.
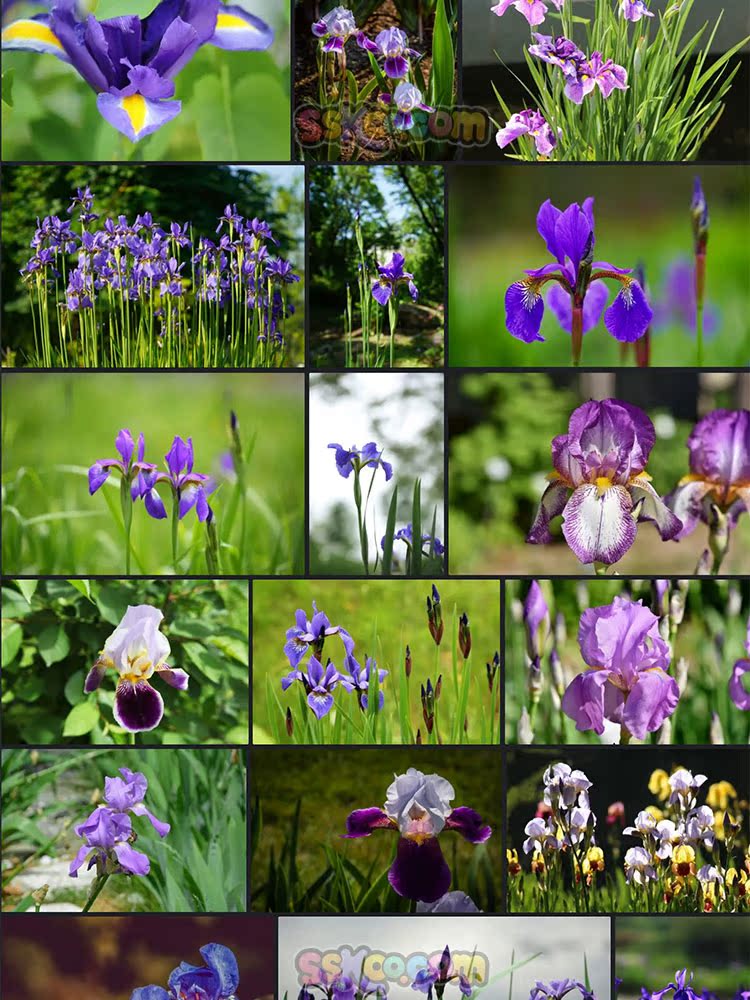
153,272
137,650
556,989
218,979
564,823
334,986
390,47
581,73
108,834
309,636
131,62
418,808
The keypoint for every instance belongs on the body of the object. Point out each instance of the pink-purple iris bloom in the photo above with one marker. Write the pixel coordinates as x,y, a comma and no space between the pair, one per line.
319,683
719,447
418,809
354,459
108,832
131,62
218,979
392,277
737,690
189,489
579,294
628,680
531,123
311,633
600,484
581,73
438,975
534,11
335,29
634,10
392,46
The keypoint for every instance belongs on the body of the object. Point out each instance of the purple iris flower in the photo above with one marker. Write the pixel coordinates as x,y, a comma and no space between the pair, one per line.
392,46
628,680
560,52
108,833
406,535
437,975
392,276
678,304
681,987
556,989
570,238
319,684
218,979
418,808
531,123
312,632
359,680
719,447
600,481
131,62
634,10
130,464
737,690
536,621
596,72
353,459
335,29
405,98
534,11
190,489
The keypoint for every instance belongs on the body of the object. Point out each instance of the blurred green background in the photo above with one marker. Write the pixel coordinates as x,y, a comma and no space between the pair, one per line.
383,617
500,430
56,426
711,638
649,951
332,783
53,631
195,194
235,105
642,216
400,208
200,865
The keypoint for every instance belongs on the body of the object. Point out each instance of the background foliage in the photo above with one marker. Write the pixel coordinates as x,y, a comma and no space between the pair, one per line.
53,631
500,431
197,194
235,105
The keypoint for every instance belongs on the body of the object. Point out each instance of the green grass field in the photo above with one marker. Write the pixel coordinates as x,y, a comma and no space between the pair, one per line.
56,426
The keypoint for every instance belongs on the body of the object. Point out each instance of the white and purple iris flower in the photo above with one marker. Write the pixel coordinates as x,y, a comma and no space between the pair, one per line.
392,46
354,459
218,979
406,98
579,293
534,11
600,484
137,650
737,690
439,974
719,447
335,29
418,808
392,277
131,62
531,123
627,681
108,834
634,10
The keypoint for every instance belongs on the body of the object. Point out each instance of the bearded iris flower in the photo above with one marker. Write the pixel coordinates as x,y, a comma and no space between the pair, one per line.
392,277
438,975
392,46
579,300
131,62
600,484
335,29
531,123
628,680
353,459
218,979
418,808
312,633
137,650
534,11
406,98
737,690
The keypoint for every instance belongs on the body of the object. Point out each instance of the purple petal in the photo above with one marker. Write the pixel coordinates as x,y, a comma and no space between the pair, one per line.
94,678
136,116
583,701
629,316
598,525
524,310
396,67
161,828
419,871
594,302
149,993
175,678
737,690
321,702
553,502
652,700
469,824
132,861
221,960
138,707
78,860
236,29
381,292
654,509
362,822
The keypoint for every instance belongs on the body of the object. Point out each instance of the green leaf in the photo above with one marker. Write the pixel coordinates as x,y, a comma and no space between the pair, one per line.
27,588
443,60
82,586
12,636
390,528
74,687
239,119
53,644
81,719
8,88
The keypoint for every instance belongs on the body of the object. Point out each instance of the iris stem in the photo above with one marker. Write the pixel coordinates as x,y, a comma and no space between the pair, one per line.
700,286
175,526
96,888
577,334
226,92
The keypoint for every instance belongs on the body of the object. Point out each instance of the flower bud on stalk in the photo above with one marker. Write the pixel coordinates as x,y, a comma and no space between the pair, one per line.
677,602
556,672
435,616
464,636
212,545
289,723
407,662
699,215
525,732
492,669
717,730
718,536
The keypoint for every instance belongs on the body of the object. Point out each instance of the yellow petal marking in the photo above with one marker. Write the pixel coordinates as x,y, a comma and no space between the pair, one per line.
135,108
31,31
231,21
603,483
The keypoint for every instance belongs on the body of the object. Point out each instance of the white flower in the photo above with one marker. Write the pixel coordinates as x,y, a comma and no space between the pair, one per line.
700,826
668,836
684,784
708,874
419,803
567,785
137,648
645,823
540,836
638,866
578,824
339,22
